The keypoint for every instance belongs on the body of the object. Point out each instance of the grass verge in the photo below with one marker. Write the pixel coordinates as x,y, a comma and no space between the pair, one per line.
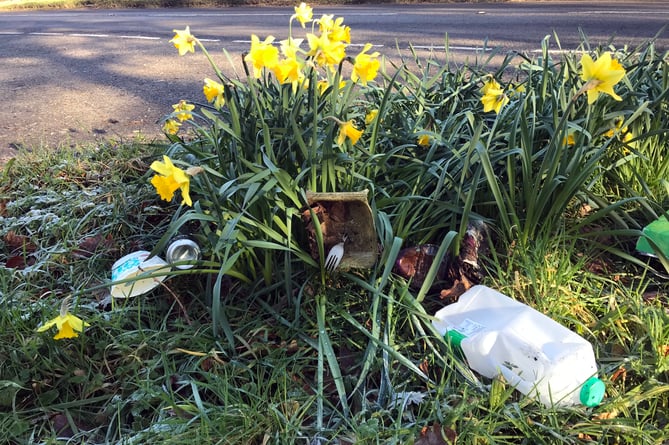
147,371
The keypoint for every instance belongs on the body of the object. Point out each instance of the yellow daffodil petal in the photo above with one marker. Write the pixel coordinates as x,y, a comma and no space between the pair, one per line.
569,140
289,47
165,186
68,326
171,126
325,51
66,331
303,14
288,71
213,91
169,179
164,168
369,118
423,140
262,55
47,325
493,98
348,130
491,84
600,76
334,29
185,194
366,66
182,110
184,41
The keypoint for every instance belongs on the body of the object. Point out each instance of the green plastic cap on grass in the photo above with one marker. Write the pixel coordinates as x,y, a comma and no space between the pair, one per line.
658,233
592,392
455,337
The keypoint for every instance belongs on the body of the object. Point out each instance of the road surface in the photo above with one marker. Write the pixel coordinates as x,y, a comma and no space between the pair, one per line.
74,76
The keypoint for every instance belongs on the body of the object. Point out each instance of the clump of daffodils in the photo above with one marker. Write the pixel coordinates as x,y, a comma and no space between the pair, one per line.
312,59
288,60
326,47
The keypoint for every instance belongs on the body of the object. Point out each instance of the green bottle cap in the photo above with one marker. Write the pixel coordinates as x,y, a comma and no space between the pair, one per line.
455,337
592,392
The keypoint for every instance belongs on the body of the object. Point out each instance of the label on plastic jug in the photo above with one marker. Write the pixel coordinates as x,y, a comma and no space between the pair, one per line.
469,327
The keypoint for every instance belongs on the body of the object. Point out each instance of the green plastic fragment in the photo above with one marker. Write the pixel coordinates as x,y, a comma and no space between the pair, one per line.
658,233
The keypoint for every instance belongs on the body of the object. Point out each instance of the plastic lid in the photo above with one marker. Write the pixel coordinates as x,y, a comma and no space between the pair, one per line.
592,392
455,337
131,267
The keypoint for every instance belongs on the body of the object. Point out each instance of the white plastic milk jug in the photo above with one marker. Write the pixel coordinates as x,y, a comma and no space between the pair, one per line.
535,354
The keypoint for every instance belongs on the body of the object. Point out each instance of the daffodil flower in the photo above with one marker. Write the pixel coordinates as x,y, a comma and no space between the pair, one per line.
290,47
169,179
493,96
303,14
334,29
171,126
262,55
366,66
423,140
600,76
623,134
569,140
325,51
213,91
182,110
348,130
617,129
68,325
370,116
288,70
324,84
184,41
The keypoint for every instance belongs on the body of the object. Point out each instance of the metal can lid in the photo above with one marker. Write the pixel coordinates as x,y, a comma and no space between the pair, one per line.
183,250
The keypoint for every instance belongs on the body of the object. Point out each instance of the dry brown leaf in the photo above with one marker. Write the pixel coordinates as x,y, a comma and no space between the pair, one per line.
19,262
424,366
605,416
61,425
436,435
584,210
597,266
621,373
89,245
15,241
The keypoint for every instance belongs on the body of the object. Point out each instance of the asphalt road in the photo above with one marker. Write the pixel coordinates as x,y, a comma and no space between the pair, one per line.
75,76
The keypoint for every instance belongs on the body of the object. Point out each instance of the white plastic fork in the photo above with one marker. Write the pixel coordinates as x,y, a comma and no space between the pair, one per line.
335,255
